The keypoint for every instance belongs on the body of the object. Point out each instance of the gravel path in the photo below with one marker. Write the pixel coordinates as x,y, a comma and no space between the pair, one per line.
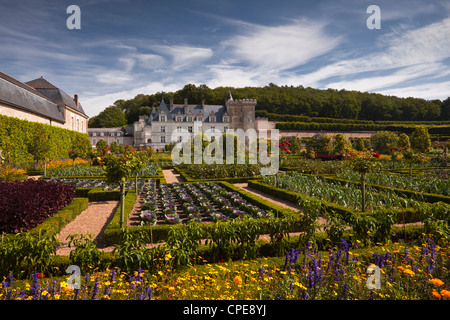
171,176
93,220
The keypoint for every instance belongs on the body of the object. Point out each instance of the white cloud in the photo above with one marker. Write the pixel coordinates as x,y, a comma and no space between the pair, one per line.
425,46
184,57
428,91
282,47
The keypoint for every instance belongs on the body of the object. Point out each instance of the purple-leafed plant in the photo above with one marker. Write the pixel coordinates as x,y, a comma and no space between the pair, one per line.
25,204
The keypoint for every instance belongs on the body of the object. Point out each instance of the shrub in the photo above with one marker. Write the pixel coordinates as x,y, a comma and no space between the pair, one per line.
25,204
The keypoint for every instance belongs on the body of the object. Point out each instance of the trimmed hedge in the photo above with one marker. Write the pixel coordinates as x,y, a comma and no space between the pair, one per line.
188,178
22,132
58,221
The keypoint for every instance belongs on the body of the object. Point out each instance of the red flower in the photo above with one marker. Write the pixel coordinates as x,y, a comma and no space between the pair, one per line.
288,151
282,144
288,143
41,275
376,155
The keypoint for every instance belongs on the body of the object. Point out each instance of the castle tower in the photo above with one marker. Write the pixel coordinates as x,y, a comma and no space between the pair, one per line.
242,112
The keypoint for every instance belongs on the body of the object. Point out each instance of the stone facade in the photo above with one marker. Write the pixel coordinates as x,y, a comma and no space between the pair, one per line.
109,135
162,125
40,101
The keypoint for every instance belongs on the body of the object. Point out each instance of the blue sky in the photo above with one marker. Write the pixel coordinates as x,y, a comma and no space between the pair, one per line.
129,47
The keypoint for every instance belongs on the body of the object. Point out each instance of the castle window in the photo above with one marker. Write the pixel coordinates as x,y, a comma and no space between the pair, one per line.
213,129
226,119
199,118
163,139
212,119
162,118
190,129
179,119
163,129
178,129
189,119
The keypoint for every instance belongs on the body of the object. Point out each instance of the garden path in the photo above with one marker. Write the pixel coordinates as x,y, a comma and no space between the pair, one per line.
171,176
273,199
93,220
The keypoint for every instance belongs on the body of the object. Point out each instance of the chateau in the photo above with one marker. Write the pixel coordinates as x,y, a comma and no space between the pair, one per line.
41,101
156,130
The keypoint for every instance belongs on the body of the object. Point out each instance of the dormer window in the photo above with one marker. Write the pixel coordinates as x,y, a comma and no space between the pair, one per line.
179,119
226,119
162,118
212,119
199,118
189,119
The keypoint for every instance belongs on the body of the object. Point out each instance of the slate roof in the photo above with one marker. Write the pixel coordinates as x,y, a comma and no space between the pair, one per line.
180,109
55,94
22,96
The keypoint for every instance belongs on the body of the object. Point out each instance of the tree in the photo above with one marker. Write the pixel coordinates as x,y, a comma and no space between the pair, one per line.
403,141
111,117
114,147
384,141
101,146
420,139
339,143
359,144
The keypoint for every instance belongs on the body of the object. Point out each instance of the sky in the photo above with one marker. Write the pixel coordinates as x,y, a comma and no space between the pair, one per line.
124,48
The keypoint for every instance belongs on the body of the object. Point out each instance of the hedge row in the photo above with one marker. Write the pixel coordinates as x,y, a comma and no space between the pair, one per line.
17,135
315,126
298,118
188,178
59,220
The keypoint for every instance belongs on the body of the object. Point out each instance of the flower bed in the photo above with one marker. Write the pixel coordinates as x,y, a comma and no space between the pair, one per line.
26,204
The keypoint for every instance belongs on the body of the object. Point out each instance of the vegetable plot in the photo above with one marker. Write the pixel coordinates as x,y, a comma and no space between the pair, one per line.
200,202
348,195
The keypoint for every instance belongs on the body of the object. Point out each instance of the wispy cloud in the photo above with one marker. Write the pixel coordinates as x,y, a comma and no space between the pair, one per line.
281,47
184,57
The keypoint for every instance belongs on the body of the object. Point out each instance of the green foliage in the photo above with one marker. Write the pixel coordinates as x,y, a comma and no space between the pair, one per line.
111,117
420,139
86,255
21,140
384,141
340,143
309,102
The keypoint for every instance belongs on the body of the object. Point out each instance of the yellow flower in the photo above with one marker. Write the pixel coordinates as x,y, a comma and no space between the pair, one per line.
437,282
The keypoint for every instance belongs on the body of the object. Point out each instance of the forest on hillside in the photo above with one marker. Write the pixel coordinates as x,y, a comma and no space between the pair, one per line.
290,100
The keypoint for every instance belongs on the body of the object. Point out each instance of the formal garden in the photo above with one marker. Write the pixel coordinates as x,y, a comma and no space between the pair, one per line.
222,232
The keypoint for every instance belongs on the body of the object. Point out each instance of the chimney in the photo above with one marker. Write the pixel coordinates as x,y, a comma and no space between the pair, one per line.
203,102
171,104
75,98
185,101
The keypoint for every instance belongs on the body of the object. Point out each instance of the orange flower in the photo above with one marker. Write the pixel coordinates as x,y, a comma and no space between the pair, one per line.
445,293
238,280
437,282
436,294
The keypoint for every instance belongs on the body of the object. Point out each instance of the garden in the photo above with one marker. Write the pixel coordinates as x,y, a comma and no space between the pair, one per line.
214,236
